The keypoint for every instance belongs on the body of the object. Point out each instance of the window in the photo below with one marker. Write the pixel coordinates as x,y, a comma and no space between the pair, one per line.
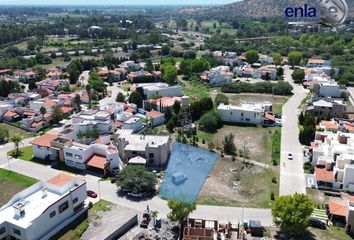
151,155
17,231
134,152
230,113
241,114
52,214
78,156
63,207
2,230
75,200
78,207
247,119
68,154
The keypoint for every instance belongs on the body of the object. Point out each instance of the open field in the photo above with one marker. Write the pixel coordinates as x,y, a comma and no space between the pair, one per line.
12,183
196,90
232,183
16,131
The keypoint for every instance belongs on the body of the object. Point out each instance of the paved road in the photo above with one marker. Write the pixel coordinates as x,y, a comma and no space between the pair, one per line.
292,179
108,191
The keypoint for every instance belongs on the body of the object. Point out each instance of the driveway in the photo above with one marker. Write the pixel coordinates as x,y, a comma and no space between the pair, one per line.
292,179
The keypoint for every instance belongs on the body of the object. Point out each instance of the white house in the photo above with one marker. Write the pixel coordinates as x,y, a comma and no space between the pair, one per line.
246,113
265,59
219,75
41,146
96,156
160,89
45,208
155,149
329,89
333,157
156,118
133,123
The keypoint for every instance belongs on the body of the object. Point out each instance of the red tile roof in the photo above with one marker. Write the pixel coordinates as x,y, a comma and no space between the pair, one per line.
129,110
154,114
349,127
66,110
28,113
35,124
50,103
324,175
337,208
97,161
269,116
167,101
118,124
61,179
44,140
316,61
10,113
329,124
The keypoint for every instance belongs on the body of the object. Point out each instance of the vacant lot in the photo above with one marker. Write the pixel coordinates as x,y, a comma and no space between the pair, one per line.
12,183
233,183
235,99
16,131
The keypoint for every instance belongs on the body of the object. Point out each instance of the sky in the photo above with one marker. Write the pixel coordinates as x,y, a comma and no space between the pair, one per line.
114,2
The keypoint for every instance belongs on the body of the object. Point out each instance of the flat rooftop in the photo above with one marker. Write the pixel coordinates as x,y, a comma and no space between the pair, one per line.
35,202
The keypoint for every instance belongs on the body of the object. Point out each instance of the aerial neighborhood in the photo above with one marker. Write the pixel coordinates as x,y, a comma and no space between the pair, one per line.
174,122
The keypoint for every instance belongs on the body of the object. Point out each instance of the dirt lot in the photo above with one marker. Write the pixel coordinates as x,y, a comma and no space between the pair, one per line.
232,183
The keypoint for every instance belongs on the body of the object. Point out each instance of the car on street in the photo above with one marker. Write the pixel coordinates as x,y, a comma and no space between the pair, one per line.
290,156
91,194
317,223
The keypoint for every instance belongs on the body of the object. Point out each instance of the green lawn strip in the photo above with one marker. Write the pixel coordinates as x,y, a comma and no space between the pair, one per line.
25,153
276,141
13,177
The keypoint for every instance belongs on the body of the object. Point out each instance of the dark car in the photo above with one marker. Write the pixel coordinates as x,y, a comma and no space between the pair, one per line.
91,194
317,223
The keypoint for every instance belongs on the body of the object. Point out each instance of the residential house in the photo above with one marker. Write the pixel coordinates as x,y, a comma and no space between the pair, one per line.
218,76
159,89
155,149
27,75
329,89
161,103
54,74
246,113
331,107
44,209
117,74
52,85
156,118
265,59
139,75
133,123
129,65
10,115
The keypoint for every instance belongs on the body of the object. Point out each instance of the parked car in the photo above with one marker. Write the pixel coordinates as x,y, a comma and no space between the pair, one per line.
290,156
317,223
136,195
91,194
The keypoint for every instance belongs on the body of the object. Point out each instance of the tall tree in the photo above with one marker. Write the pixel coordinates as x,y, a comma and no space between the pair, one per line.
277,58
170,74
180,212
136,99
294,58
229,145
251,56
57,114
293,212
120,97
43,111
17,140
298,75
77,102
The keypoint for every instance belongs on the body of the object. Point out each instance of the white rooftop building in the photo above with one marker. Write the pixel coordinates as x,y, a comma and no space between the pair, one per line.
246,113
43,209
160,89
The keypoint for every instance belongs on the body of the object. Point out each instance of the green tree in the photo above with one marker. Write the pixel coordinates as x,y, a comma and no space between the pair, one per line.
96,83
4,134
16,140
221,98
298,75
165,49
251,56
210,122
170,74
172,123
277,58
149,66
57,114
180,212
229,145
136,99
43,110
294,58
176,107
293,211
137,179
120,97
77,102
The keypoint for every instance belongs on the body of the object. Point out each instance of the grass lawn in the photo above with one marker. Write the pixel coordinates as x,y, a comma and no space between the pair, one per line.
12,183
25,153
276,141
195,89
331,233
76,231
16,131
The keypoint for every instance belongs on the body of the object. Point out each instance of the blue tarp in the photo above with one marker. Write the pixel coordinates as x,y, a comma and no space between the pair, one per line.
192,166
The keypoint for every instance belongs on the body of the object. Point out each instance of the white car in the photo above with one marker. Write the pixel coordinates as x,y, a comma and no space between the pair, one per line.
290,156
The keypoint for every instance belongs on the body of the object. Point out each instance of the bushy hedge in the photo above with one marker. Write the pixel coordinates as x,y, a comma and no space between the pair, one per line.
279,88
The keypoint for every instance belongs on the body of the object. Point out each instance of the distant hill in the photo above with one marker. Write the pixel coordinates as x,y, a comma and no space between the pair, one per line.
257,8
